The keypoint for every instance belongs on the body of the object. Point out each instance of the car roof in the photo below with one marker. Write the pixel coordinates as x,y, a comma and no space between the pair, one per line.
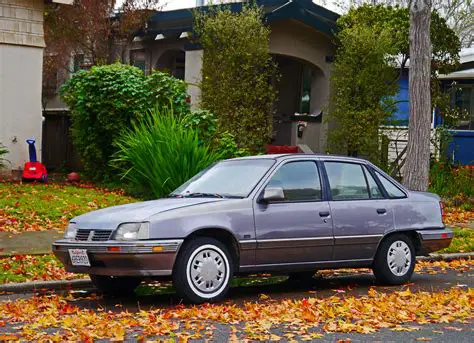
298,155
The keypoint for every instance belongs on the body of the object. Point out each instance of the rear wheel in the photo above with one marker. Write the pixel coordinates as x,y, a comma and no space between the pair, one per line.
395,260
203,270
115,285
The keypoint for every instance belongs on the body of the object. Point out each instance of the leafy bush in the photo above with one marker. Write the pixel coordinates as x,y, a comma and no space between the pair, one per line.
238,91
165,90
204,123
449,181
226,144
3,152
159,153
103,102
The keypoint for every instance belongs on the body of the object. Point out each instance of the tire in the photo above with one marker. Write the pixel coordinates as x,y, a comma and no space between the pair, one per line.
196,285
115,285
395,260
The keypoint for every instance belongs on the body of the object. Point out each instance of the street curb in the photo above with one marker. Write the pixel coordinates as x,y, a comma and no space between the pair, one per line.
86,283
24,287
446,257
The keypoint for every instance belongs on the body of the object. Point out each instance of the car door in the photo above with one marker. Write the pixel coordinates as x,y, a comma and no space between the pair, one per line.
361,215
298,228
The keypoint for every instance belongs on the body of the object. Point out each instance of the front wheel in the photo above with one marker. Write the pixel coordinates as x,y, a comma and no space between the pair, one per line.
395,260
115,285
203,270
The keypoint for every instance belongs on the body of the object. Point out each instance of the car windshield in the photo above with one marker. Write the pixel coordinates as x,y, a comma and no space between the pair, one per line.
234,178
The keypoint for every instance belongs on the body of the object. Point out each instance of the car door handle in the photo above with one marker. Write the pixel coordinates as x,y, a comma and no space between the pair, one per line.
381,210
324,214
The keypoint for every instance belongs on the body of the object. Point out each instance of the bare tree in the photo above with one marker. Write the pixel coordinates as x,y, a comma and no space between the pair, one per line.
416,173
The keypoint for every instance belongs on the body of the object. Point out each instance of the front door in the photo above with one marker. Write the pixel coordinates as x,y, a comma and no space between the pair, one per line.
299,228
360,213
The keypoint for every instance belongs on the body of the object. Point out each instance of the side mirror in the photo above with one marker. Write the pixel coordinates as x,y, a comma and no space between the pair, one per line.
271,194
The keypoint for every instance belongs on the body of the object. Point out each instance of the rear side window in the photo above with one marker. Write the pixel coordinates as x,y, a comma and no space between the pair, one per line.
347,181
375,192
392,190
299,180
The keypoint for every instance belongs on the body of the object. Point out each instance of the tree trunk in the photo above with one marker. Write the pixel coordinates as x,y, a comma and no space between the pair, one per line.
417,164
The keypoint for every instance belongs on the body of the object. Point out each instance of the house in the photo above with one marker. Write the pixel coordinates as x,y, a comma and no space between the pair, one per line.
459,85
21,63
301,41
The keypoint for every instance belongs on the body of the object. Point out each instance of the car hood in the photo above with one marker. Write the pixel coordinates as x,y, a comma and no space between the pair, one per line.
111,217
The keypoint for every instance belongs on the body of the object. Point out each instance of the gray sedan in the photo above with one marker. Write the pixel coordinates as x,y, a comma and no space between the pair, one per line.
291,214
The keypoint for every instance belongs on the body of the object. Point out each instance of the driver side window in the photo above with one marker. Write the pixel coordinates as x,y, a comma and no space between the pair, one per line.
300,181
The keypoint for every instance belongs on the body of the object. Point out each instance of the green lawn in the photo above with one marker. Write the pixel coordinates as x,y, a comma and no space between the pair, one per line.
463,241
39,207
23,268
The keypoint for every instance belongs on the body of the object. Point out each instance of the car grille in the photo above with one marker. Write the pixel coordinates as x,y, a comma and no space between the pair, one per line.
97,235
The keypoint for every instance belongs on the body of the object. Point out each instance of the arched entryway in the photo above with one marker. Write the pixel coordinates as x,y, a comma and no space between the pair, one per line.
173,62
302,96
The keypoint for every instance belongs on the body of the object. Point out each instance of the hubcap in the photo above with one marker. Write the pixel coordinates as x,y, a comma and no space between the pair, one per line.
399,258
208,270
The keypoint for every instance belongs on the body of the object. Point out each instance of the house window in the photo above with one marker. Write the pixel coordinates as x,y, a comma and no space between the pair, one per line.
305,101
138,59
78,62
179,62
463,100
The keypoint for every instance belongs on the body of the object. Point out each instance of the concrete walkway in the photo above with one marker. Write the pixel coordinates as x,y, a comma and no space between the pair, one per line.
35,242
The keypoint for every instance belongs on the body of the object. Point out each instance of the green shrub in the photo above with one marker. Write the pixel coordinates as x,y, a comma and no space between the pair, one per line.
237,70
3,152
226,144
165,90
159,153
103,102
450,181
204,123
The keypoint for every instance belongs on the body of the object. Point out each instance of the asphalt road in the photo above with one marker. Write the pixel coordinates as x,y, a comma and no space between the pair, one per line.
351,284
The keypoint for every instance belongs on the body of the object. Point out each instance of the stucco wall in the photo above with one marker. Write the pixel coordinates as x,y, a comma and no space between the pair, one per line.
294,39
21,22
21,60
291,38
192,75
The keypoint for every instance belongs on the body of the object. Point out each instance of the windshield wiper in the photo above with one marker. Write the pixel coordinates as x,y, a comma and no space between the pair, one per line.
202,195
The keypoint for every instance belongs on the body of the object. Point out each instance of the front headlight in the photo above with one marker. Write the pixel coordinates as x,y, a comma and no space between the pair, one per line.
132,231
71,231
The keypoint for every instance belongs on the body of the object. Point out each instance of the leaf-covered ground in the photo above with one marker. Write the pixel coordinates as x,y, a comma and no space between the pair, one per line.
23,268
58,318
458,216
41,207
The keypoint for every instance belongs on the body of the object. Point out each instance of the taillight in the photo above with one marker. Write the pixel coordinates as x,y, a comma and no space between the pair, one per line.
441,206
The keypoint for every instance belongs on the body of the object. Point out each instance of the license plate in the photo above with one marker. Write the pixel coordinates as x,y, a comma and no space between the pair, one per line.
32,168
79,257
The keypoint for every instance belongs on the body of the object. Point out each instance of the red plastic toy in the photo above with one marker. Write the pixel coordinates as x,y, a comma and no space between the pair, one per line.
34,170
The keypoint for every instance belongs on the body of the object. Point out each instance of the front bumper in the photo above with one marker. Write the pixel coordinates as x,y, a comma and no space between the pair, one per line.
119,258
434,239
